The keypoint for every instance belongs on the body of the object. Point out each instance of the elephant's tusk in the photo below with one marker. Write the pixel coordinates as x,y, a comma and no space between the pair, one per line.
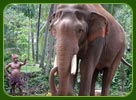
55,61
55,64
74,65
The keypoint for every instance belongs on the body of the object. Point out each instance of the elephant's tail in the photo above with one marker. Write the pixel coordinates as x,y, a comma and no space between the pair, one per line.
126,63
51,80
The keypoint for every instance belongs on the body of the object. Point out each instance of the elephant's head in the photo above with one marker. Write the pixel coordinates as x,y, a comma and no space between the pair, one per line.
73,26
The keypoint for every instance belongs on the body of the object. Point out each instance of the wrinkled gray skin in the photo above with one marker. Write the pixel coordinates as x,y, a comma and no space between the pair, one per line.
98,40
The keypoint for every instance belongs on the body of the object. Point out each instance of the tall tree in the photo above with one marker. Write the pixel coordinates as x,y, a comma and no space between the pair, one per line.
28,52
45,37
31,15
32,37
37,37
49,54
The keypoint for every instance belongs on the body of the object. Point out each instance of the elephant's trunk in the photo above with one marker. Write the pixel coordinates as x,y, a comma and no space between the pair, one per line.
63,62
51,81
65,50
54,71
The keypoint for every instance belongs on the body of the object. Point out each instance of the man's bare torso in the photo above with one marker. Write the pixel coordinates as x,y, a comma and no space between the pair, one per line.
15,69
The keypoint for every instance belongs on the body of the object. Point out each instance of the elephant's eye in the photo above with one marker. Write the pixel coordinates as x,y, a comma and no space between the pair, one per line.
78,15
79,32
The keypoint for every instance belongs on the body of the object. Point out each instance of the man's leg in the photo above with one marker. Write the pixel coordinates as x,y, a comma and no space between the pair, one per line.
19,85
20,91
13,89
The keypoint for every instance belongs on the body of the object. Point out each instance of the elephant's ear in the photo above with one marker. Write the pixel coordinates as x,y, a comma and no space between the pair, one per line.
51,22
98,26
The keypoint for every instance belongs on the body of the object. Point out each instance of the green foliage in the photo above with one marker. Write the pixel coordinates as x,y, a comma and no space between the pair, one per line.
7,57
15,31
123,80
6,84
30,69
40,83
124,16
27,9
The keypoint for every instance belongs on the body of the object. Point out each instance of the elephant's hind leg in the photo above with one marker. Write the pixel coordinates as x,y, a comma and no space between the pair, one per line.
109,73
94,78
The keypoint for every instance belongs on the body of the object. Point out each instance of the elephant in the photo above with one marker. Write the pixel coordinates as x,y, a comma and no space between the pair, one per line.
92,40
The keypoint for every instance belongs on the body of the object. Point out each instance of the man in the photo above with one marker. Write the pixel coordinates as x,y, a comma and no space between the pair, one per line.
14,75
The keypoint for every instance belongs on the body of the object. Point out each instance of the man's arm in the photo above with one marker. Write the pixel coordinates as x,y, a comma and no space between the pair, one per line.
6,69
24,62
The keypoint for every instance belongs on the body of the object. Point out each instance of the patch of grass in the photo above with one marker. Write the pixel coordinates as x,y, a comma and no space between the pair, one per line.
29,69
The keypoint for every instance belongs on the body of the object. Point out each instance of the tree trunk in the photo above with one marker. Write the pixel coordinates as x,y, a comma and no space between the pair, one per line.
28,52
37,37
49,55
45,37
16,40
32,37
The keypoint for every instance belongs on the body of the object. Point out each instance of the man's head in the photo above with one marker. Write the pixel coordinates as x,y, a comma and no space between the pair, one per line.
15,57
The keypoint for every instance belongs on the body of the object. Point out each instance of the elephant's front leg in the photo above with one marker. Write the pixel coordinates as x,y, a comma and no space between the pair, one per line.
86,72
88,65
